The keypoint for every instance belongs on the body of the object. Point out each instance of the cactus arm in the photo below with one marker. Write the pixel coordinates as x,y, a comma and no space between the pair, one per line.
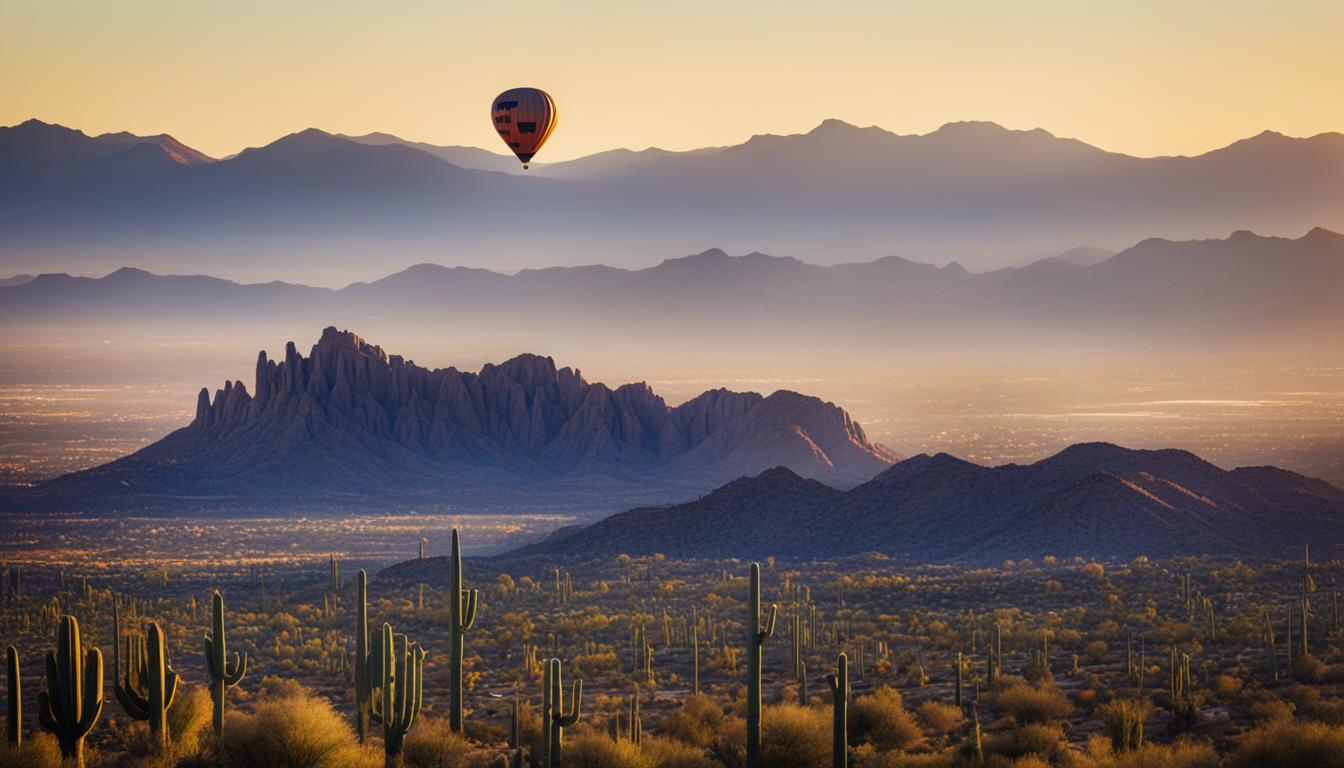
239,669
169,690
419,677
137,708
45,715
50,702
93,691
570,718
769,630
469,608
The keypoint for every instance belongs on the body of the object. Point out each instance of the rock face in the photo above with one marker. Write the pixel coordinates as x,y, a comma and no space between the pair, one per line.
1091,499
351,419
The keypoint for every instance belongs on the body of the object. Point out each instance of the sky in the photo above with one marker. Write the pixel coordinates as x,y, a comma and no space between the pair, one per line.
1141,77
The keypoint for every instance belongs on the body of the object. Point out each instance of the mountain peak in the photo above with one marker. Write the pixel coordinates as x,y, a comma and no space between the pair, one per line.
335,341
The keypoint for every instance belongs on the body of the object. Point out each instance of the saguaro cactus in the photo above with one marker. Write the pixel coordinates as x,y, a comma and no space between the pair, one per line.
636,722
363,685
150,697
13,715
554,717
461,617
399,680
839,682
756,637
695,659
73,700
957,670
224,674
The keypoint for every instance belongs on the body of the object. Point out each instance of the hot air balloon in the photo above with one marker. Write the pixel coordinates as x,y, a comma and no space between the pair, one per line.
524,118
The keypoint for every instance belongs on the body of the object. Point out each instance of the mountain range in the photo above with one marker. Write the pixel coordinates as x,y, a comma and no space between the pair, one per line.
1158,293
350,422
348,208
1091,499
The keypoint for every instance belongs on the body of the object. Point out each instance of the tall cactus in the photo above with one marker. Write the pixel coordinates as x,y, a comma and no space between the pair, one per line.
461,617
554,717
839,682
636,722
695,659
224,674
399,679
14,714
73,700
959,665
756,637
150,697
363,685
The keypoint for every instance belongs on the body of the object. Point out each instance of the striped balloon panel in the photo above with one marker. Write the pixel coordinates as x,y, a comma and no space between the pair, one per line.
524,118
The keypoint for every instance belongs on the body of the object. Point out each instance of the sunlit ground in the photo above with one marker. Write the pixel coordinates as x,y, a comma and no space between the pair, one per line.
233,544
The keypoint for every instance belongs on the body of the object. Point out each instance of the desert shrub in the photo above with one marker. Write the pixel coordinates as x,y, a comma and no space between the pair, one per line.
596,750
1272,711
1227,687
1044,741
1308,669
669,753
1311,705
1096,651
729,744
694,722
1288,744
431,743
940,718
188,719
39,750
882,719
795,737
1182,754
295,731
1032,704
791,737
865,756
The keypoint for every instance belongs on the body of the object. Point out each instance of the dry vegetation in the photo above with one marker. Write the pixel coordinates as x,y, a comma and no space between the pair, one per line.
1084,676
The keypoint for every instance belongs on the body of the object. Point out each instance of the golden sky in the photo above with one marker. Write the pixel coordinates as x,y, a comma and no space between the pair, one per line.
1140,77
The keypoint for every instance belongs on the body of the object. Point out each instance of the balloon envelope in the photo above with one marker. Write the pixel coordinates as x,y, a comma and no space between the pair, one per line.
524,118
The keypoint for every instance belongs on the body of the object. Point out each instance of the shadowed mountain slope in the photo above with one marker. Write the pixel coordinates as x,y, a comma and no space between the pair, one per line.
1092,499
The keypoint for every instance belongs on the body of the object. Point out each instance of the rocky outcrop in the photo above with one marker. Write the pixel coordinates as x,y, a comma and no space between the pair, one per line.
351,418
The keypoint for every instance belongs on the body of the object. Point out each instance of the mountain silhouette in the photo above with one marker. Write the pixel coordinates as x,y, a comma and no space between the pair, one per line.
350,421
1093,500
1162,293
977,193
